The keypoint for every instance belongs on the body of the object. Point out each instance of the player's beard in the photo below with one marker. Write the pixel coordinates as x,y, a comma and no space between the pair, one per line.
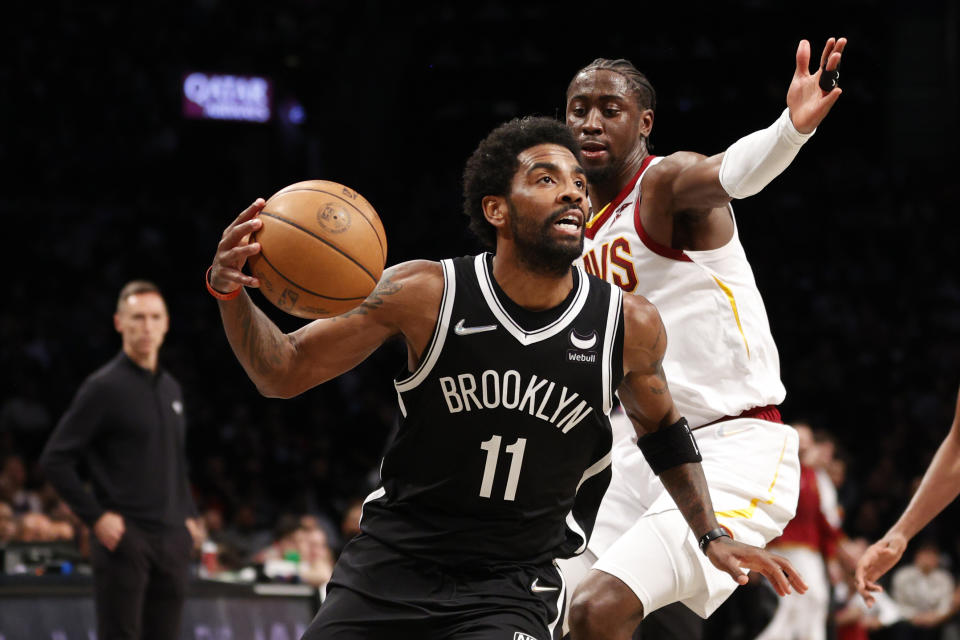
537,249
599,175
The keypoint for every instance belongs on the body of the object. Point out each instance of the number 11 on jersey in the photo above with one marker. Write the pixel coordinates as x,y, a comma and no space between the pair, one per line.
492,447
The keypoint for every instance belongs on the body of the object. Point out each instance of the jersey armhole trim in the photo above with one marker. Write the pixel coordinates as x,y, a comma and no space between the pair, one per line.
610,335
430,358
731,245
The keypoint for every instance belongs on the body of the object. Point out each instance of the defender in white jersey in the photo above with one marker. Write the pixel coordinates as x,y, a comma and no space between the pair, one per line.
664,229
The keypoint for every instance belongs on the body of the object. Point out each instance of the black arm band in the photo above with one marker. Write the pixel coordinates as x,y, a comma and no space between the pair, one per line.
670,446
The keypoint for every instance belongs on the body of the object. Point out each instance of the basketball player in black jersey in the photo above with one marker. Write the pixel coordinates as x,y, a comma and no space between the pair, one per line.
502,455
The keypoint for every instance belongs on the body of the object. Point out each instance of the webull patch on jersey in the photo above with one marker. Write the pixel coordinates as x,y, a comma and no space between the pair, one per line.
581,356
539,397
520,635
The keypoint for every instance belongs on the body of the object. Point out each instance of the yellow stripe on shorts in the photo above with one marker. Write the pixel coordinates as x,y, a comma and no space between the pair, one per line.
752,508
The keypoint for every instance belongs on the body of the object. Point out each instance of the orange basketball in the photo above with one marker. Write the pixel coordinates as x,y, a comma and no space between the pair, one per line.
322,249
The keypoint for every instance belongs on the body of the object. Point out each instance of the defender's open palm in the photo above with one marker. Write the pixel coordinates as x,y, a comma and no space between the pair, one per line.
876,561
732,556
809,104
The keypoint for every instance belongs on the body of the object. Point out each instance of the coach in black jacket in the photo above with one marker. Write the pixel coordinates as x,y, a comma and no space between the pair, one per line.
126,426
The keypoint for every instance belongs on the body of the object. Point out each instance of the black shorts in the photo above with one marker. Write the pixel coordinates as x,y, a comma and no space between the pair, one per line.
377,592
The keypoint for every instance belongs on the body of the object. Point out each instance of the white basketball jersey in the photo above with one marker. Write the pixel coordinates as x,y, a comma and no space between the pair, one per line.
721,359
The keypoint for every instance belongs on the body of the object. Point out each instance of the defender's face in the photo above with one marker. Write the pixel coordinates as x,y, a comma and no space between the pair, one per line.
143,322
603,114
548,195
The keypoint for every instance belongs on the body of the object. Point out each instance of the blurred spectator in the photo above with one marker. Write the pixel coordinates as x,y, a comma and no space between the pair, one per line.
8,523
212,521
243,537
825,447
13,482
316,558
283,540
925,593
808,542
298,552
38,527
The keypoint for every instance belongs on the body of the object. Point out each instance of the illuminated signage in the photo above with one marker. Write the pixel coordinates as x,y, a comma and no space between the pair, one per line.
208,96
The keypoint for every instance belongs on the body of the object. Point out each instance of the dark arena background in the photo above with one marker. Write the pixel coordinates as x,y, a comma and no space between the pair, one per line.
113,170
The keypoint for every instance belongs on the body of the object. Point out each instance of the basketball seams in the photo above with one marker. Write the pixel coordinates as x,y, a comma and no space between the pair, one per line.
346,255
383,253
300,286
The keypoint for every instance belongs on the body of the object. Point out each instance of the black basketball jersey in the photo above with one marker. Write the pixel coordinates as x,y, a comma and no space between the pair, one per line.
503,450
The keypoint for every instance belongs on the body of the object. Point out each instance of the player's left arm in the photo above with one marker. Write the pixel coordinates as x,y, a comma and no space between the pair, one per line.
670,448
696,183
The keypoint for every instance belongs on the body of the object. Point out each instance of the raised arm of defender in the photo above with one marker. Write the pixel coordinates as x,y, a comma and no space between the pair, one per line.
690,183
406,301
671,450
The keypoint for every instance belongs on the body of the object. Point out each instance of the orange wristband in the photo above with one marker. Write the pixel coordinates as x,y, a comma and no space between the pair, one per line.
217,294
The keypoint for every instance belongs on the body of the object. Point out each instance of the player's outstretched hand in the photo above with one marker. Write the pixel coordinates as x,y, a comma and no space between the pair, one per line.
809,104
235,247
732,556
879,558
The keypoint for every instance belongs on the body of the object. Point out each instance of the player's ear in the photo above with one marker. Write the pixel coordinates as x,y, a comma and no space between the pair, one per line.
646,122
116,322
495,210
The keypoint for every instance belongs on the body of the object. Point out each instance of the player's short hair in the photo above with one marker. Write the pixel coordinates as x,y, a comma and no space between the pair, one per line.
135,287
643,91
490,169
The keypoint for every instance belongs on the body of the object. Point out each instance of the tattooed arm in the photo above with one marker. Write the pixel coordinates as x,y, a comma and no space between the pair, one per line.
644,391
406,301
647,401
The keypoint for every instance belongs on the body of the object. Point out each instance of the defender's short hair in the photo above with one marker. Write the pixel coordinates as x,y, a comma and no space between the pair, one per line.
642,89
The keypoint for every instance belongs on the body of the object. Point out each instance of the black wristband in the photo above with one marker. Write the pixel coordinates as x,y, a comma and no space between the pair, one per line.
710,536
670,446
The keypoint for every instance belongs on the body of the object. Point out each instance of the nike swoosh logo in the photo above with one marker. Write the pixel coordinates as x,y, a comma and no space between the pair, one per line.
724,432
536,588
581,343
461,330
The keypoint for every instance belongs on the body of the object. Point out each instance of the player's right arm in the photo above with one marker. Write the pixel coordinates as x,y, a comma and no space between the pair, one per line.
940,486
285,365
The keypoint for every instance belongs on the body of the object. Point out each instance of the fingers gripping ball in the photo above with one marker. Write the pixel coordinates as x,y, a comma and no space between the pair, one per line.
322,249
